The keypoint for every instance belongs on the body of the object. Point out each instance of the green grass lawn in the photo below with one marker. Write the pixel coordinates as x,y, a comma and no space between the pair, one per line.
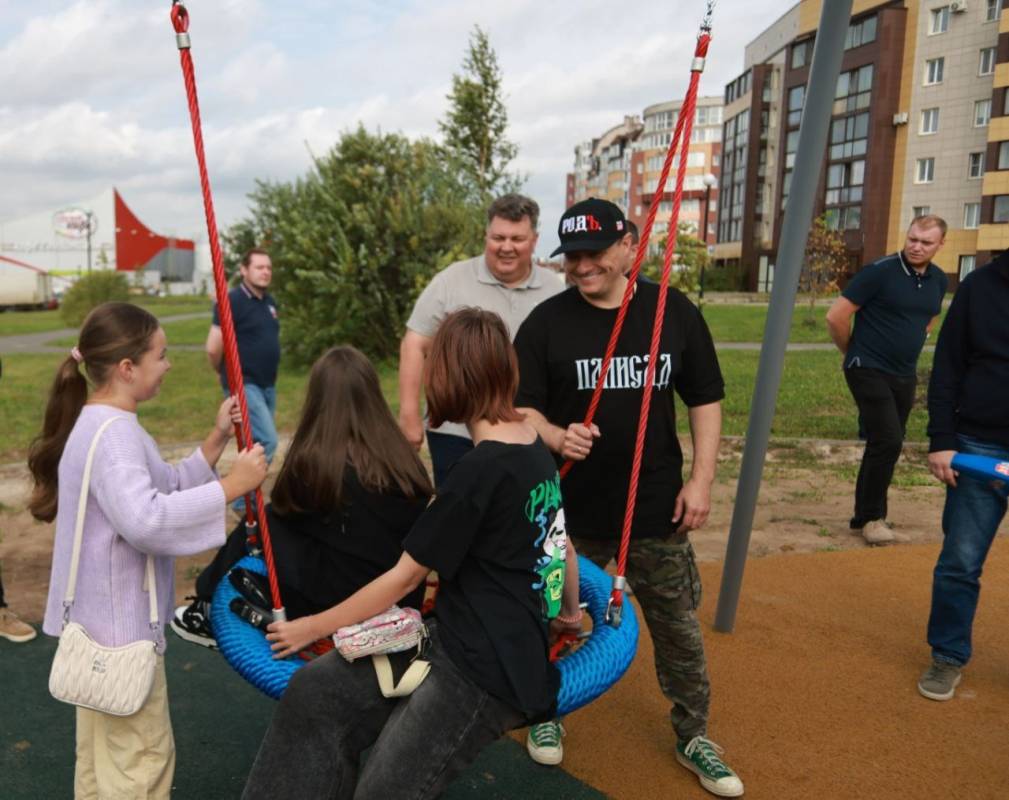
182,412
813,401
13,323
745,323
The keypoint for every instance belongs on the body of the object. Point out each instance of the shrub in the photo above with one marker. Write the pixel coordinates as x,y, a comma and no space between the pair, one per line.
92,290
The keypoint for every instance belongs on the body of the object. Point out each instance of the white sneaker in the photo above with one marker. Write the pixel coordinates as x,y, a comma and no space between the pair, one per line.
876,531
704,758
544,743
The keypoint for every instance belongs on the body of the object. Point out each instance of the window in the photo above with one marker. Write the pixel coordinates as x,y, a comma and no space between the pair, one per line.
708,115
844,183
861,32
637,211
715,160
796,100
982,113
848,136
791,145
975,165
966,265
1001,213
1005,102
800,54
987,66
846,218
939,20
933,70
920,211
929,121
695,159
924,170
971,215
853,90
1003,155
992,9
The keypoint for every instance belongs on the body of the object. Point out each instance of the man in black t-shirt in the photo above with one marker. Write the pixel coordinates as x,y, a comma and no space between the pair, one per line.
894,302
560,349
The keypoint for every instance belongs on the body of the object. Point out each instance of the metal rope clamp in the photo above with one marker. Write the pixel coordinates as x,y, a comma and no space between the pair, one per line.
614,611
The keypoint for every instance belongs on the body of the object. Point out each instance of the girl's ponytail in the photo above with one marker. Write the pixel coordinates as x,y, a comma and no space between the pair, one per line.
67,396
111,333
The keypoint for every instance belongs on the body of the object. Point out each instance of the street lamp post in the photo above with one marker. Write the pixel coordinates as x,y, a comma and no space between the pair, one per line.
710,181
90,217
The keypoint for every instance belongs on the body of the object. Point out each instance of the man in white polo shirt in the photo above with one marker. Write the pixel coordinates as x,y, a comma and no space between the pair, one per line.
504,280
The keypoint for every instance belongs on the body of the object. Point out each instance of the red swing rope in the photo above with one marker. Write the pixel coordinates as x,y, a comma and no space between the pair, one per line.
180,21
684,126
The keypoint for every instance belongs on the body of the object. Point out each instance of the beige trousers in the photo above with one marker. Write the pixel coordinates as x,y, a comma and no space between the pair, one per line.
127,758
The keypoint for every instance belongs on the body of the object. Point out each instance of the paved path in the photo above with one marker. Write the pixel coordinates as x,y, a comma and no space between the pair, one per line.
40,342
792,347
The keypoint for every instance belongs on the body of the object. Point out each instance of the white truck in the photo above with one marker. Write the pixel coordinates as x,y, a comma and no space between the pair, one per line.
23,286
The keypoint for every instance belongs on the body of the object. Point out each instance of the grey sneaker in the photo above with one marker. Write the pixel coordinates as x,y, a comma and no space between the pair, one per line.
703,757
939,681
877,532
544,743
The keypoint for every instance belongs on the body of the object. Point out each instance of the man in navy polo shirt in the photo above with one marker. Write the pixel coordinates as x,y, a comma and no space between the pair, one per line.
257,329
895,302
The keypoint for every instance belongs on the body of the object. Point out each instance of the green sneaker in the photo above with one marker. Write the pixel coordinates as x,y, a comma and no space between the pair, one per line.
703,757
544,743
939,681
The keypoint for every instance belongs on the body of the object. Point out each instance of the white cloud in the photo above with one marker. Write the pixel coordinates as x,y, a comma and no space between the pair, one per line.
93,93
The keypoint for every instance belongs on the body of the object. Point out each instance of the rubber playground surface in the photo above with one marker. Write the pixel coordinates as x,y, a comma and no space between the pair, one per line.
813,697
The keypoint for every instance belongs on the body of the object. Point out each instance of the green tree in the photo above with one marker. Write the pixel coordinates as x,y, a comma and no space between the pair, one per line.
355,240
475,125
93,289
691,253
825,262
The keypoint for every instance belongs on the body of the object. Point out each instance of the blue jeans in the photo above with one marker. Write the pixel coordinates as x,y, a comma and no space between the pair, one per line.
970,519
333,710
262,405
446,449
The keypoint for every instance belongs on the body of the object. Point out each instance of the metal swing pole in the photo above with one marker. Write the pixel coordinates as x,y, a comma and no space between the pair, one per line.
823,71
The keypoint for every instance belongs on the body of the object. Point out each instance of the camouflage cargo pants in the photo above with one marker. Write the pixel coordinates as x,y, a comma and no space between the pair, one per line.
667,586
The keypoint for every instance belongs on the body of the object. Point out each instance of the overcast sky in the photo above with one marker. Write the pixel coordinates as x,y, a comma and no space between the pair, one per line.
92,91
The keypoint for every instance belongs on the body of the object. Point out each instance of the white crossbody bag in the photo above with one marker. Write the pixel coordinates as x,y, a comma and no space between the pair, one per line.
113,680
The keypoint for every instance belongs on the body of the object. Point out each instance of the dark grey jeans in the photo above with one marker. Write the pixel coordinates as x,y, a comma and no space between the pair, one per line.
333,710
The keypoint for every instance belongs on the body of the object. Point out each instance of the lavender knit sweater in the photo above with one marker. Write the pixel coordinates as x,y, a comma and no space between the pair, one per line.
137,504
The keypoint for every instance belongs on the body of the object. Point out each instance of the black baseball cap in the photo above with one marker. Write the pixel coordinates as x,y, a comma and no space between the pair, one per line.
590,225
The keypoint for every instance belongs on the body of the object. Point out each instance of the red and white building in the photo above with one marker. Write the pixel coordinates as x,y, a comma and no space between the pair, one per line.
58,242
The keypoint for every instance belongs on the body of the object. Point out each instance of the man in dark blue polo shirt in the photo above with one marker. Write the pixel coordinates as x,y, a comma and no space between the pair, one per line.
895,302
257,329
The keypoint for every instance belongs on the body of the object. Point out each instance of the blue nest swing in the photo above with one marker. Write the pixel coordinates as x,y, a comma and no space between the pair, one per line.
585,674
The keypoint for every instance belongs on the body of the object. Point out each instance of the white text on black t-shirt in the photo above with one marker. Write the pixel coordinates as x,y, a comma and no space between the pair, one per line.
626,372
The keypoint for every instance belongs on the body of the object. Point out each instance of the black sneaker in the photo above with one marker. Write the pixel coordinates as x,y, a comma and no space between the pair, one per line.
253,586
257,617
192,623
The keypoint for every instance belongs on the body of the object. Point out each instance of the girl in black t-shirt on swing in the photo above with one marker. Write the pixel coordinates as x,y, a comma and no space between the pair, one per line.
349,490
507,576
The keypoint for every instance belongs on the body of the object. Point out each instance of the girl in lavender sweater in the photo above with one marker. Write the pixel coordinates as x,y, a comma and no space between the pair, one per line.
137,505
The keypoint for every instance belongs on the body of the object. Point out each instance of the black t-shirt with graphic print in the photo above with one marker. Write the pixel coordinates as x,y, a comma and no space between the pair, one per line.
495,534
560,350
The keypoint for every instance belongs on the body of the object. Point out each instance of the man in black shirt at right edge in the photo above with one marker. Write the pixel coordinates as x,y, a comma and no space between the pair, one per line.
560,348
968,412
895,301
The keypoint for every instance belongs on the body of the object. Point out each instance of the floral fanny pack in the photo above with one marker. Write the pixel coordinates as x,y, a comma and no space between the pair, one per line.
393,631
